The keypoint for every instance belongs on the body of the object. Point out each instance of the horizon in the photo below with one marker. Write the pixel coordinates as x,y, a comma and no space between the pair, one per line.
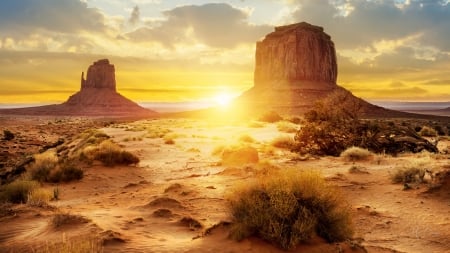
193,51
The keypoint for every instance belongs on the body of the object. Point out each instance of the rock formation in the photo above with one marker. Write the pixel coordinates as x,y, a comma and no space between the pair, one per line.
295,53
100,75
97,97
295,66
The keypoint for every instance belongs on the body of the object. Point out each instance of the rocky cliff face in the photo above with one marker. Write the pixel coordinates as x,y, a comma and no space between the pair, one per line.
295,53
100,75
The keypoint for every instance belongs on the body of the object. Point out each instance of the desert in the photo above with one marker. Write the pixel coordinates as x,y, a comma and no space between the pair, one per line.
315,138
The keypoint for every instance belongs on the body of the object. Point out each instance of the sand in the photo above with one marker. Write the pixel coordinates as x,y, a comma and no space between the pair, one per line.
174,200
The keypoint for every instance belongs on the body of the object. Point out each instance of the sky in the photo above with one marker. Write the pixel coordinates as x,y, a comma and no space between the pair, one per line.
180,50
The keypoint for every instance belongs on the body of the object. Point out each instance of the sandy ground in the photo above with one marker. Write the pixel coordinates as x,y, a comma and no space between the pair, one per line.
169,200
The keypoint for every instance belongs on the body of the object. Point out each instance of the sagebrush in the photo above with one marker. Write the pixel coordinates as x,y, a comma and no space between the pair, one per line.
289,208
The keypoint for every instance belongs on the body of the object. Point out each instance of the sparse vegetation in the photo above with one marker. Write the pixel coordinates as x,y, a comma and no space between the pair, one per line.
356,154
66,173
330,132
414,172
428,132
111,154
270,117
39,197
48,168
289,208
43,165
61,218
87,244
169,141
283,141
17,191
8,135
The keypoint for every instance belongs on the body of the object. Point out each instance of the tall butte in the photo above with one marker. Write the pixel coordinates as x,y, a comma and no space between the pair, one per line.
97,97
295,66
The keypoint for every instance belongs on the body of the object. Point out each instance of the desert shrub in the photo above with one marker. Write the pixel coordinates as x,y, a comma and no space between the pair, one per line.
8,135
287,127
43,165
39,197
85,244
283,141
428,132
330,132
270,117
408,175
111,154
413,172
62,218
289,208
356,154
65,173
239,155
246,138
17,191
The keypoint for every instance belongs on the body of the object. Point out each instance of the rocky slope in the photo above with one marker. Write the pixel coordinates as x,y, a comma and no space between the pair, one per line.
97,97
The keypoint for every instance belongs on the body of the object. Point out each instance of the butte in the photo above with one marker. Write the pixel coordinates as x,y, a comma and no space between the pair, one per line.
97,98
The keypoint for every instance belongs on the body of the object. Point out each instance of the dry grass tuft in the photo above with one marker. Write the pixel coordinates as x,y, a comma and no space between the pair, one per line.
110,154
39,197
356,154
17,191
86,244
428,132
289,208
63,219
43,165
414,172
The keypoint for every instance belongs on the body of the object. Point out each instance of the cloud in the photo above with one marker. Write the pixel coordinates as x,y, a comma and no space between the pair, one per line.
365,21
216,24
19,18
135,16
437,82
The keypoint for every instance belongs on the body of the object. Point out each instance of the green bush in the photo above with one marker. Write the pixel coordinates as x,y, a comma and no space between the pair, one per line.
289,208
356,154
17,191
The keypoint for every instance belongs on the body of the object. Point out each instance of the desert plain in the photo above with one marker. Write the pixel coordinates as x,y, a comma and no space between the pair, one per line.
176,198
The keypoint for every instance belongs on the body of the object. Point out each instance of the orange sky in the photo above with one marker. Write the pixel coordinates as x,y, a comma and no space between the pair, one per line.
174,51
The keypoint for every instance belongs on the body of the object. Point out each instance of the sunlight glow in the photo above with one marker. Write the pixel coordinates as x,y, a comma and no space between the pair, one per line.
223,99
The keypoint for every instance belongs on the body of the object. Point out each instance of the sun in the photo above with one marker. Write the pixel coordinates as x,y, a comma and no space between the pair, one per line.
223,99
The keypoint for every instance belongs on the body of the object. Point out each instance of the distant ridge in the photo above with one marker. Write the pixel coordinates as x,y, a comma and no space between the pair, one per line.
97,97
